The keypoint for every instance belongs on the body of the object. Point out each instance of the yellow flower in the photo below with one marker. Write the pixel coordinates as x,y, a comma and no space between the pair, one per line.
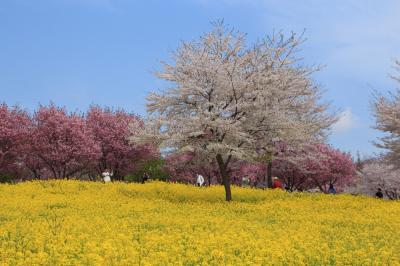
58,223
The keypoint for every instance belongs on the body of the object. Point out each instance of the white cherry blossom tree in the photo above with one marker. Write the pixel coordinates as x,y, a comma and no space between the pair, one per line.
387,114
229,100
375,174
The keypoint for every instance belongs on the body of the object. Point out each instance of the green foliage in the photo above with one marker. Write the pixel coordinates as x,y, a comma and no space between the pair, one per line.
5,178
155,169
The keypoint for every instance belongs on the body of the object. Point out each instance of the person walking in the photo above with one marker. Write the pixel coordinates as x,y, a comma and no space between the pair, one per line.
245,181
331,189
379,193
200,180
276,183
145,177
107,174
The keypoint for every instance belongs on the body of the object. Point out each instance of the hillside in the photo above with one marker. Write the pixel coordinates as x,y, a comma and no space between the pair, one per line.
83,223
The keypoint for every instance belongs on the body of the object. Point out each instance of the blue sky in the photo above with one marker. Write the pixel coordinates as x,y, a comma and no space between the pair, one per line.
79,52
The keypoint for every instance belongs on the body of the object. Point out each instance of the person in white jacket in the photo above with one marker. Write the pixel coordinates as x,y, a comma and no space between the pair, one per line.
200,180
107,174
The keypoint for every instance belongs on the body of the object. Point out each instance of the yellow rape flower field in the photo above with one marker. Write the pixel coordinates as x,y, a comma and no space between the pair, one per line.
84,223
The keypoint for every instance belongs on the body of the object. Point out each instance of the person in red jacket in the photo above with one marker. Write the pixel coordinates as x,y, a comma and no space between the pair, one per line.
277,183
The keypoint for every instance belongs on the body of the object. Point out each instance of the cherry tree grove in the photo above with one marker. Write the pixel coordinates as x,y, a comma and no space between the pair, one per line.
231,101
53,143
303,168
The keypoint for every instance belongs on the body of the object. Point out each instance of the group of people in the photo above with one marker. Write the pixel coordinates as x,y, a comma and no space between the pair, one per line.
245,181
276,183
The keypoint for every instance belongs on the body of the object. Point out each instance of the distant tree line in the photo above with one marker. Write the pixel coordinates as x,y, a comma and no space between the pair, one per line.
55,143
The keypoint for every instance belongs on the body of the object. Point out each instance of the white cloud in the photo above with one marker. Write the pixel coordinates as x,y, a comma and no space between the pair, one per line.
347,121
347,32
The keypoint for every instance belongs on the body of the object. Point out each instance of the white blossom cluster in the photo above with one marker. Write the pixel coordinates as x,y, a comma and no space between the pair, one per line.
385,172
387,115
375,174
230,99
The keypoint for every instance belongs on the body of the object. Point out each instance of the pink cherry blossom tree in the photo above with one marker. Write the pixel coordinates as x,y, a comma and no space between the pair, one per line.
31,160
313,166
326,166
290,166
14,126
310,166
110,130
62,141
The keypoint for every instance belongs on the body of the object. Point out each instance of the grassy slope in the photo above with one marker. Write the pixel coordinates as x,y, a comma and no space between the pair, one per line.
72,223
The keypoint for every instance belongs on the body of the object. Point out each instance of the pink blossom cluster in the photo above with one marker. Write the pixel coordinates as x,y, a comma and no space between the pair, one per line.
314,166
55,143
311,166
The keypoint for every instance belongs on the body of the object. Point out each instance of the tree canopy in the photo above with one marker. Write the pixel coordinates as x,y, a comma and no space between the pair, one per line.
231,100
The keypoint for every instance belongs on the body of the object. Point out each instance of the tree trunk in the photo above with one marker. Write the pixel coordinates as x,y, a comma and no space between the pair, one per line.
269,174
225,177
